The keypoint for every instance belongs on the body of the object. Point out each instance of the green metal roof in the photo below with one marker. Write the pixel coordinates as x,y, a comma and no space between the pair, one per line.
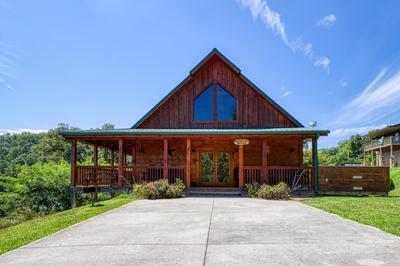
201,131
236,69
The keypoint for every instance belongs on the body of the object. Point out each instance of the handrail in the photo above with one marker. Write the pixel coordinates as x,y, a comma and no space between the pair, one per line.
293,176
108,175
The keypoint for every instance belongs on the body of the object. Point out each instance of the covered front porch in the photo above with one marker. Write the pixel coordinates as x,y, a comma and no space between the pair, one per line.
221,159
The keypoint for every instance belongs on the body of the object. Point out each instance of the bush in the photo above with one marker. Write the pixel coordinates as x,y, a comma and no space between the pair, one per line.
160,189
252,189
392,185
279,191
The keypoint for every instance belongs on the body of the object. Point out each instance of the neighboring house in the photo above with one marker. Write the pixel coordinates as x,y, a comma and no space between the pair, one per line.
216,128
385,146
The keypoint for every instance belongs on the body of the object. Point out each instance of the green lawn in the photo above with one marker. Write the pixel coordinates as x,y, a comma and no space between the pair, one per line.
24,233
380,212
395,176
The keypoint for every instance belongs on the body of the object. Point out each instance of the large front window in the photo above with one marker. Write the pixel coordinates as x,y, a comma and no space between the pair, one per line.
215,104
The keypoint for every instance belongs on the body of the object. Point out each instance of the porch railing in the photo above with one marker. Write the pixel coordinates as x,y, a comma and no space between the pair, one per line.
291,175
108,175
252,174
96,175
384,141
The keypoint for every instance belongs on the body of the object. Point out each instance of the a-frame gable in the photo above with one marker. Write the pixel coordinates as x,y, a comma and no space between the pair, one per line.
254,108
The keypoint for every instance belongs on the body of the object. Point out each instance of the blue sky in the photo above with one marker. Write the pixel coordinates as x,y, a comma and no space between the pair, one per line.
90,62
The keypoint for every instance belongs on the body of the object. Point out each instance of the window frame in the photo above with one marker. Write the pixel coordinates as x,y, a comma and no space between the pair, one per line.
215,105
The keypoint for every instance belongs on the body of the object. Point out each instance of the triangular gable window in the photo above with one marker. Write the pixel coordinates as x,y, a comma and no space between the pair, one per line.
215,104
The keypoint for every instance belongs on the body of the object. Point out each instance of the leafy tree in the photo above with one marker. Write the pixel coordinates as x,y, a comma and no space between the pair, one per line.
44,187
16,150
347,151
54,148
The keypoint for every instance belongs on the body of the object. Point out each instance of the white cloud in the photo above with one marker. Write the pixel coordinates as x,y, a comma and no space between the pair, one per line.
343,83
379,99
272,20
340,134
285,92
348,132
327,21
323,62
22,130
8,65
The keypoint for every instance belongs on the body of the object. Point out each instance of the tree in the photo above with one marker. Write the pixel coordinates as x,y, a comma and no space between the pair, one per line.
53,147
16,150
44,187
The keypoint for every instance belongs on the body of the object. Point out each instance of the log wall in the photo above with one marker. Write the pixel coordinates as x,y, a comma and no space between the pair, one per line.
282,152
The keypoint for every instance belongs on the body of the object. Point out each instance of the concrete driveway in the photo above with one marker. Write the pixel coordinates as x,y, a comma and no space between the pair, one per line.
212,231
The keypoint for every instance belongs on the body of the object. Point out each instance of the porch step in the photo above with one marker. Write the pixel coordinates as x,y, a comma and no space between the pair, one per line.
214,191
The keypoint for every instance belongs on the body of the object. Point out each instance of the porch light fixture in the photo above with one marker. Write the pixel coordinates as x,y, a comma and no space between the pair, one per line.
241,142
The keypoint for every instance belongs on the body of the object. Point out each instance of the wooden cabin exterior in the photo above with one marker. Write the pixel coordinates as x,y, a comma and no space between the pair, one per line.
216,128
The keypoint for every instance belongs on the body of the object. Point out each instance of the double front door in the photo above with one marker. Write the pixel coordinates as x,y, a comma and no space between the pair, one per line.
216,168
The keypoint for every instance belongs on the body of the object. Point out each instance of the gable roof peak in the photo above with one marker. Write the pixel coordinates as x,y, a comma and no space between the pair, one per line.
215,52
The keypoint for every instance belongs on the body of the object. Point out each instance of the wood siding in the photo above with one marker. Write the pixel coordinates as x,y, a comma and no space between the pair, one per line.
253,110
353,180
282,152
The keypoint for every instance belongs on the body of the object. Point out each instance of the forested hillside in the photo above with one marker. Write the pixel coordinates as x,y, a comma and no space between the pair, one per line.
347,151
35,173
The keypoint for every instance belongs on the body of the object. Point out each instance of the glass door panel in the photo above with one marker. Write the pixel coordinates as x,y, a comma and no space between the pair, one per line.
207,166
223,167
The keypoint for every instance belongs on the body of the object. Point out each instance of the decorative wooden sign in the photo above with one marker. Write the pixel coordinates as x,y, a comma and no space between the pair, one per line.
241,141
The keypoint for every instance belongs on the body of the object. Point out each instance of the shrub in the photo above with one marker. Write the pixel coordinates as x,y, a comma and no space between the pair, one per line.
392,185
160,189
252,189
279,191
265,192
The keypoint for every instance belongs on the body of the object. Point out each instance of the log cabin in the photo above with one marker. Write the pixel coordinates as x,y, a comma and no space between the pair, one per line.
215,129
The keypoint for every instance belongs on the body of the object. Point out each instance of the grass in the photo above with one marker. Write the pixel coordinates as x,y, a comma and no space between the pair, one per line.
395,176
380,212
24,233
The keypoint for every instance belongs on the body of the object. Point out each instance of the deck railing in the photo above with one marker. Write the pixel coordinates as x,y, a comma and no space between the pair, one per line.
289,175
384,141
252,174
108,175
275,174
96,175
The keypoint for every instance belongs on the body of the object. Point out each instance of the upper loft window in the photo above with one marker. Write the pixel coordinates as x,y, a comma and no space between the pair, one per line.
215,104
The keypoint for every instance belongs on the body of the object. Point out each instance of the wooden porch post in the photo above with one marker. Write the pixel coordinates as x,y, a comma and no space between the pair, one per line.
188,153
380,156
241,173
95,155
133,156
391,163
165,168
264,169
120,162
112,157
315,162
73,173
95,163
372,158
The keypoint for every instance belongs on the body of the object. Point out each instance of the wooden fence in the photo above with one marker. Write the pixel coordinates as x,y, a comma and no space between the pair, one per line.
363,180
